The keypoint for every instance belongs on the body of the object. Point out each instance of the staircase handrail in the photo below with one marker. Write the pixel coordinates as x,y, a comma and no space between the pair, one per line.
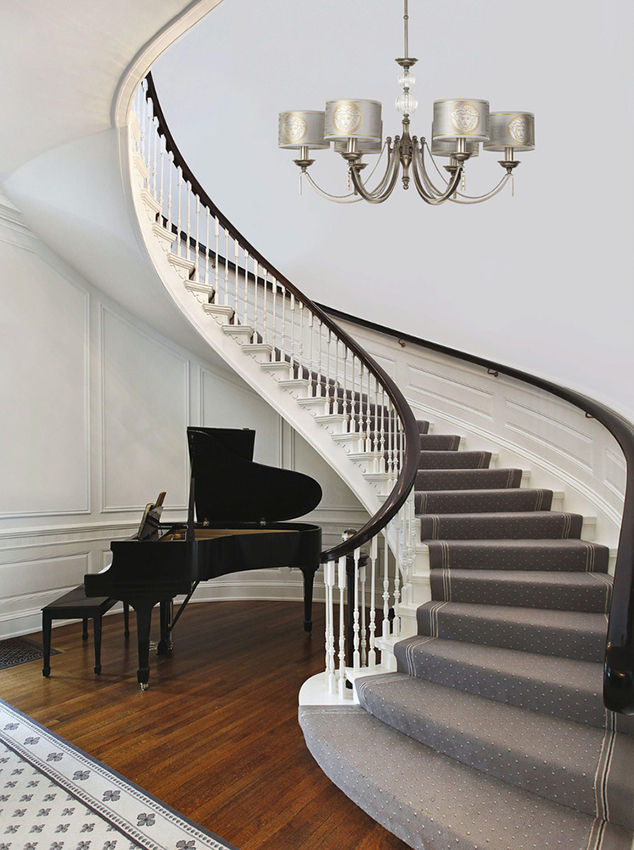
410,450
618,682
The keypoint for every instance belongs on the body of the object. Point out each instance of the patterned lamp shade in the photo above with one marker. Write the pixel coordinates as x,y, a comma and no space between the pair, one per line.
511,130
353,119
303,128
461,119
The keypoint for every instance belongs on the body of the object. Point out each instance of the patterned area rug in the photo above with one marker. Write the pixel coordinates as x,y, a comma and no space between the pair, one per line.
55,797
19,650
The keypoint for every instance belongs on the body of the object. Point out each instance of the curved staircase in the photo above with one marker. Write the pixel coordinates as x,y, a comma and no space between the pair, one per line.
492,732
484,725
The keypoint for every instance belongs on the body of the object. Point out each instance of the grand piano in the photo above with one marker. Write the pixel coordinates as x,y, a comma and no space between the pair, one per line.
241,508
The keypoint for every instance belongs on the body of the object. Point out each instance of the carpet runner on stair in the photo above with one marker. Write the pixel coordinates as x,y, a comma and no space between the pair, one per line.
492,732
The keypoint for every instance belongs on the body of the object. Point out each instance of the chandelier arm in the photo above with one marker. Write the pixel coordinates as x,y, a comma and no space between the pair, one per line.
461,197
428,183
391,163
383,181
350,198
434,200
479,199
379,194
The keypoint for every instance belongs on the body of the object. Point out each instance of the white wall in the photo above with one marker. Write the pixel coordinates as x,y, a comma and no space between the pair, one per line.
95,405
542,281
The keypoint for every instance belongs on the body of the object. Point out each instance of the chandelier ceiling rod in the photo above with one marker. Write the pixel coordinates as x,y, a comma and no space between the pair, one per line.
355,128
405,28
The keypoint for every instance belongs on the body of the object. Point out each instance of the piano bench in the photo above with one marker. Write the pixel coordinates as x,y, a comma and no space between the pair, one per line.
76,605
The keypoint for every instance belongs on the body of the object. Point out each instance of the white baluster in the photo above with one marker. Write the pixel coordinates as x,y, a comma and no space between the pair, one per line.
170,188
364,644
342,632
372,625
301,311
329,582
197,243
264,304
225,300
313,377
396,629
382,459
155,140
256,320
276,340
236,297
283,345
345,390
356,655
292,351
216,268
147,137
329,372
386,586
207,228
188,192
336,386
162,175
245,293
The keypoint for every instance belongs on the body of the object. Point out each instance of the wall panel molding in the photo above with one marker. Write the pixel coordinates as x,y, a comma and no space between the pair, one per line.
108,461
47,378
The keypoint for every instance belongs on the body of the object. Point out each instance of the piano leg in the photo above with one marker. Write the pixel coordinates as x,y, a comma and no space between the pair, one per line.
309,580
143,611
166,644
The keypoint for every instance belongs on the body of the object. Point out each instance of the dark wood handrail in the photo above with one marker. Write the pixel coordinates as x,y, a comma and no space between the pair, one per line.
409,467
618,682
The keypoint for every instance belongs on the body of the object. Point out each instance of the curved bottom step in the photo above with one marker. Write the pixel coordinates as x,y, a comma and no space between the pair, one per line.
433,802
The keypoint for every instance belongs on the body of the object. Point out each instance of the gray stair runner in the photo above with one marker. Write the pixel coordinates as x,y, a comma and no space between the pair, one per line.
444,442
566,555
482,501
511,525
493,732
434,802
531,589
454,460
467,479
546,755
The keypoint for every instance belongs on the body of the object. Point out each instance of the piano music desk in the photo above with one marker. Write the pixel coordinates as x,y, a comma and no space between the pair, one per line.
76,605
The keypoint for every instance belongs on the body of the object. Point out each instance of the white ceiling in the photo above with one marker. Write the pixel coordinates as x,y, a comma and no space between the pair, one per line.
514,279
61,64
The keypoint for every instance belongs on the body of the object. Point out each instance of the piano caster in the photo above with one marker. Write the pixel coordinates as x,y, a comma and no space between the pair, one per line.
144,686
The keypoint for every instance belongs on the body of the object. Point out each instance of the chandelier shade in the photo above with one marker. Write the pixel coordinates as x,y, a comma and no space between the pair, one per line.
353,119
302,128
511,130
461,119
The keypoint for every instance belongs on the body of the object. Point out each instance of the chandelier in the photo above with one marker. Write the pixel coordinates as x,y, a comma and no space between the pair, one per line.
459,126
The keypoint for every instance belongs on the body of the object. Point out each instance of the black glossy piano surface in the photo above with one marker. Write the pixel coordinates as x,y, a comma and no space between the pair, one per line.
241,508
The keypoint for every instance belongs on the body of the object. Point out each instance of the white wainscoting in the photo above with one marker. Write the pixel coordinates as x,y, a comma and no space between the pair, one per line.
145,413
95,407
526,428
44,383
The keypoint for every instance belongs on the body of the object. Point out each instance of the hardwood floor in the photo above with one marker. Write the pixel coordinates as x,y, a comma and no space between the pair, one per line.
216,736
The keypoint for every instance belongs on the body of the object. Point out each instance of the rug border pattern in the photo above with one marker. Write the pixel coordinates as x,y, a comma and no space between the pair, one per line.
76,762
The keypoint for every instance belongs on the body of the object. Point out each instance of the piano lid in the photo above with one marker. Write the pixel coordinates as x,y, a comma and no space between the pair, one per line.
230,487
